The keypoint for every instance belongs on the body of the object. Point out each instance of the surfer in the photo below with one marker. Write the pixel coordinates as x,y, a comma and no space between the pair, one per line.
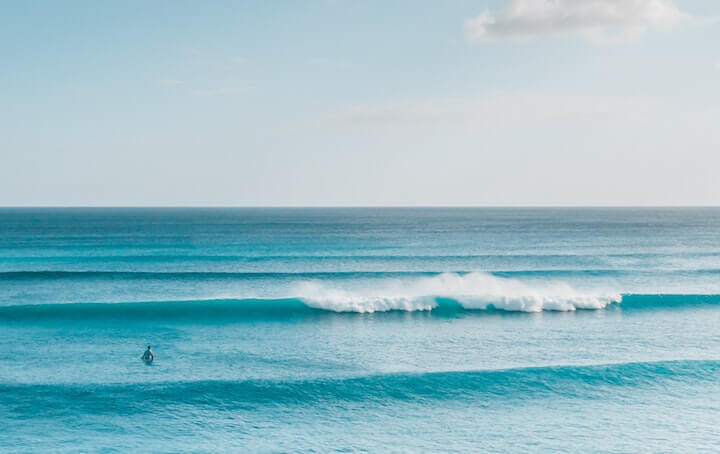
148,356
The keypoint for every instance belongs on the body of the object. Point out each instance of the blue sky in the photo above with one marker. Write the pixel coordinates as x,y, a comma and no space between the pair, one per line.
520,102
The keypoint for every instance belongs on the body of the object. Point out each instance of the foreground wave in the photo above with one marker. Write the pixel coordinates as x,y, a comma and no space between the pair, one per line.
585,382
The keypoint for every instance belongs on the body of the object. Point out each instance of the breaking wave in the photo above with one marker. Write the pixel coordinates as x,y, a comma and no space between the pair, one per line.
234,310
472,291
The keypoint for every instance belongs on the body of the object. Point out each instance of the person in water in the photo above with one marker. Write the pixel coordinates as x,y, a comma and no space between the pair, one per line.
148,355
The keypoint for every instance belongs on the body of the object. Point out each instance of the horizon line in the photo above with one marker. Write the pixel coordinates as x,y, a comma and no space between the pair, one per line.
352,206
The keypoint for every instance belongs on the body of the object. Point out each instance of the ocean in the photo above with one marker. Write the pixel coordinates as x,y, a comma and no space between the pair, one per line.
360,329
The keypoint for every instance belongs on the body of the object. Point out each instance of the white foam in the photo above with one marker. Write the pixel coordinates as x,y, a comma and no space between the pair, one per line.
473,291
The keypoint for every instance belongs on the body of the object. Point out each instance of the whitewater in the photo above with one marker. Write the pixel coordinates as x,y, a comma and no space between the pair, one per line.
366,329
471,291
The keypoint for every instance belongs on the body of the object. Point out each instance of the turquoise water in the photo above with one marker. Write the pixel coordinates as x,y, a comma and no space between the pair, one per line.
382,330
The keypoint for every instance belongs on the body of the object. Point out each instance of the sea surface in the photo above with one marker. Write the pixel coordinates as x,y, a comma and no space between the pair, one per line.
360,330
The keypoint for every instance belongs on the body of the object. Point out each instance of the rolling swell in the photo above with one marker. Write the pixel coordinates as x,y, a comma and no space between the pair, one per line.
229,310
585,382
213,309
194,275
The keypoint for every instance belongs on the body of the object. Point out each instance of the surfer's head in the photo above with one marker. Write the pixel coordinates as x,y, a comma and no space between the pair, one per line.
149,347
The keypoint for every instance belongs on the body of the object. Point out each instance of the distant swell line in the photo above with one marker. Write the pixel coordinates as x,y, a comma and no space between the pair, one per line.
188,255
584,382
91,274
194,275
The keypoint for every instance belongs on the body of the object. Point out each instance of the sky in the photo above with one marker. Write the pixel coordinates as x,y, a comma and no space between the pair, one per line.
360,103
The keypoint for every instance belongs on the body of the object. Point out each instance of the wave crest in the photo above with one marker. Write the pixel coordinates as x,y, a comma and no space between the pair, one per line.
472,291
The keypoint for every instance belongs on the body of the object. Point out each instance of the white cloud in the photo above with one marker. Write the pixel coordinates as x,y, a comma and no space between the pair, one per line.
493,112
596,20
